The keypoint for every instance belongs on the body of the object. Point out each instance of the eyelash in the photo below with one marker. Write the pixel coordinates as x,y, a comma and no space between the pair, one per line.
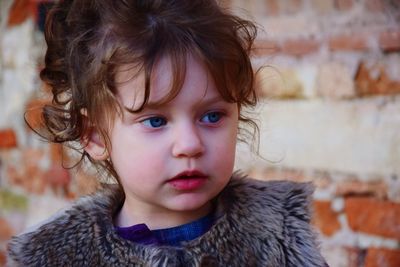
158,121
218,113
147,122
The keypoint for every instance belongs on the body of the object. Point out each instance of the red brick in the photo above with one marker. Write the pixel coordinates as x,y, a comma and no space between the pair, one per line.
343,5
364,81
28,174
325,218
272,7
368,85
30,178
290,6
56,153
385,85
389,41
58,175
58,179
8,139
6,231
265,47
375,6
347,42
3,258
378,257
373,216
351,187
22,10
300,47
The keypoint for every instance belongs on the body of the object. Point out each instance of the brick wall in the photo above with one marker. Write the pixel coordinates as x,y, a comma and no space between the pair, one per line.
329,82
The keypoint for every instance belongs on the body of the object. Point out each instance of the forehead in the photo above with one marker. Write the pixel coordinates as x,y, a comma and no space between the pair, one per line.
130,81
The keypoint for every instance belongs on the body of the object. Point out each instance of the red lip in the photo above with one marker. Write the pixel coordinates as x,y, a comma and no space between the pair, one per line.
188,180
188,174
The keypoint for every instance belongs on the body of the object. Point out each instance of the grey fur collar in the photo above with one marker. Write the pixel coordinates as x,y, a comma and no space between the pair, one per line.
262,224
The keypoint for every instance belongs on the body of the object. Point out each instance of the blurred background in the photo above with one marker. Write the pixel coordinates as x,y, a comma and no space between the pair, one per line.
329,84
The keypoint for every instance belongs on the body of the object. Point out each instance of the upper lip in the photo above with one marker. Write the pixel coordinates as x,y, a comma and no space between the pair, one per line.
188,174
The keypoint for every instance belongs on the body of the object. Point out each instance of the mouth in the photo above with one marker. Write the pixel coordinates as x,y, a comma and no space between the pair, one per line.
188,180
189,175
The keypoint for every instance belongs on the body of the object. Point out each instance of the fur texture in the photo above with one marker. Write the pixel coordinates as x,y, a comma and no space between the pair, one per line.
260,224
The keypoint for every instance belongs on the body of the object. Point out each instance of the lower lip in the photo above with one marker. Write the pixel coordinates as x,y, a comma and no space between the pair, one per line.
188,183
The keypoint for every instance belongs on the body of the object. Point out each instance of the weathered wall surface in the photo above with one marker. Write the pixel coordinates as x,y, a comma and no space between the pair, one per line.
329,113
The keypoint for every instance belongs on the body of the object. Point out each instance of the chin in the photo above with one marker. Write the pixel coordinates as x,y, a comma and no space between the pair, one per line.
190,205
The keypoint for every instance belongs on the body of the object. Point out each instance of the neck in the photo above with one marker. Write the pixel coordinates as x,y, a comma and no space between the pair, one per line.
158,219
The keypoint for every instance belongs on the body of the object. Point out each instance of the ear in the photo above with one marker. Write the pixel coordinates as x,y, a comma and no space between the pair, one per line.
93,142
95,146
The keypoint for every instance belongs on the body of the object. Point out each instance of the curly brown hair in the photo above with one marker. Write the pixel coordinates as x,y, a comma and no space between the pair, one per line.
89,39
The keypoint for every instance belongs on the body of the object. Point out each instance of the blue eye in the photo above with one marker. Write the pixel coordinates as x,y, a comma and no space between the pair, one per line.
154,122
211,117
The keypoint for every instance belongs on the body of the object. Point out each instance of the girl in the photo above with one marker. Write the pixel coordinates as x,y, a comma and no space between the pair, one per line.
154,92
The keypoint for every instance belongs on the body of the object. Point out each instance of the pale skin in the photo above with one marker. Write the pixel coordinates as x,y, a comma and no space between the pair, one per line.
195,131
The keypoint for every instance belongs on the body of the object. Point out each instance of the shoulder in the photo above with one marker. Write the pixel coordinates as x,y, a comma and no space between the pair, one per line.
283,197
278,213
277,204
65,234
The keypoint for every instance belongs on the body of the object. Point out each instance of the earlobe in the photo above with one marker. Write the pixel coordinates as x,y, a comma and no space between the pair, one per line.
95,146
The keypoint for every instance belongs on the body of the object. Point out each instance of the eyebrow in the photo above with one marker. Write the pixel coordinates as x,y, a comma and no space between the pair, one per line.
202,102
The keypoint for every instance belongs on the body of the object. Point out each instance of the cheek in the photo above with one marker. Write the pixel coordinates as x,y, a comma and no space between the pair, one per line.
136,156
225,148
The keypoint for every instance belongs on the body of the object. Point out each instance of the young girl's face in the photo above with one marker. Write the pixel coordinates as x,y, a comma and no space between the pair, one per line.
172,159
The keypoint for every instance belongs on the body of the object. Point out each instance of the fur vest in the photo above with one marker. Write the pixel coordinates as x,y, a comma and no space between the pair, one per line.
261,224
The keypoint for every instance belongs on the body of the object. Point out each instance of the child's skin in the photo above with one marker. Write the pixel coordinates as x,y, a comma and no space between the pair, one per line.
194,133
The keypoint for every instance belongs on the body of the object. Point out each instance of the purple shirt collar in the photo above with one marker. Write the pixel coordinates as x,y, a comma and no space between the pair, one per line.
173,236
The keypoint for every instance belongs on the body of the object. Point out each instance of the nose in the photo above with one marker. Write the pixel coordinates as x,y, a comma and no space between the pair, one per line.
187,142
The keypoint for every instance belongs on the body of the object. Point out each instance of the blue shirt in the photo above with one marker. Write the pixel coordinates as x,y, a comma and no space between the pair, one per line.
173,236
